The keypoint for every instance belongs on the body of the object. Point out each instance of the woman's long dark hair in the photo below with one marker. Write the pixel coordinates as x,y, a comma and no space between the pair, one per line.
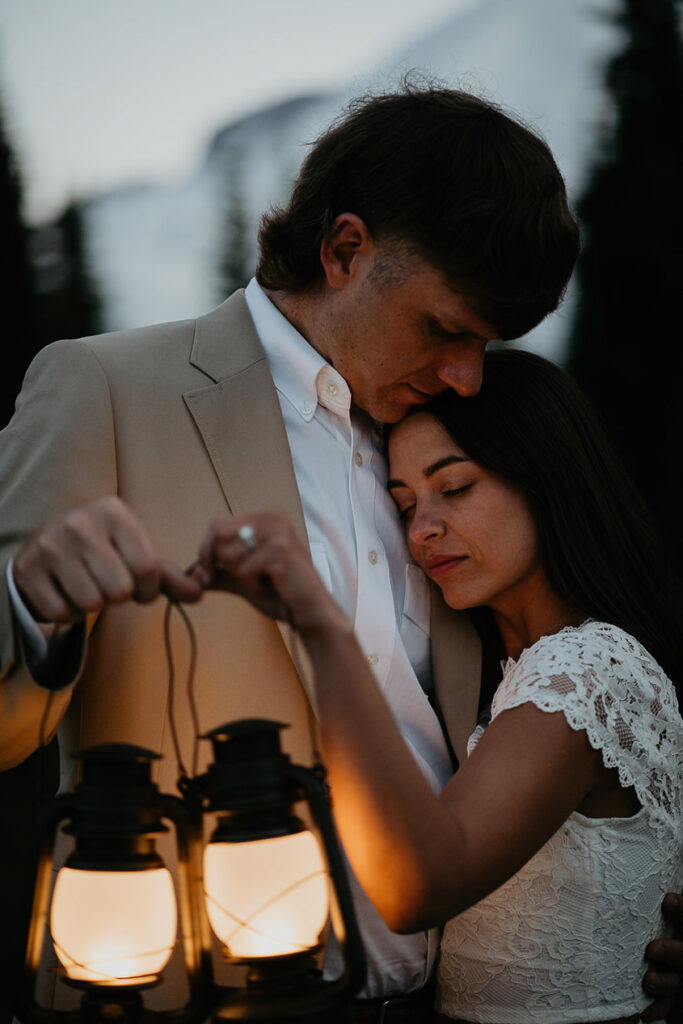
532,426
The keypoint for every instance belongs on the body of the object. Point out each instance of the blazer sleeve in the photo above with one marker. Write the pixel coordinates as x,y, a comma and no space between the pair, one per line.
58,452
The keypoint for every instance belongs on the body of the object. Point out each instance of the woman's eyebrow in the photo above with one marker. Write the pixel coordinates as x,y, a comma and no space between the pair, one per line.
447,460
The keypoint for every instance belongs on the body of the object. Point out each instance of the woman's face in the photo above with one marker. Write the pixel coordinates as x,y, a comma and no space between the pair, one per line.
471,532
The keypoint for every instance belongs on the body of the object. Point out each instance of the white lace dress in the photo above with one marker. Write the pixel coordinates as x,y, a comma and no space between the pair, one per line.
563,940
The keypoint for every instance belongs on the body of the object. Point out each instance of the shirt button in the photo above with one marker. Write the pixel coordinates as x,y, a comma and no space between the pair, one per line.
373,556
372,659
332,388
358,459
307,409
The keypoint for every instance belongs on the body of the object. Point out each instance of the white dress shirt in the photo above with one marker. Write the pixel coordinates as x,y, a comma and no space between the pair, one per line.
358,547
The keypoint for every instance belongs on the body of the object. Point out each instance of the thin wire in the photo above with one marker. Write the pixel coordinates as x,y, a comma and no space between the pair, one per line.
42,735
190,684
182,771
42,731
106,975
246,923
295,648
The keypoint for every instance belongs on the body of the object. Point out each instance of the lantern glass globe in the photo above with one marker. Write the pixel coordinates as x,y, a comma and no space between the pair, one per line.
114,927
267,897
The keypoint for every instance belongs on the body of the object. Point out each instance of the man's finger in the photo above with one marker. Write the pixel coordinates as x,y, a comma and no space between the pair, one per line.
673,911
656,1010
179,585
46,602
665,953
661,983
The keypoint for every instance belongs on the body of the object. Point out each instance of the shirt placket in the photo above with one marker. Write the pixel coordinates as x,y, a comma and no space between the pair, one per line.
375,619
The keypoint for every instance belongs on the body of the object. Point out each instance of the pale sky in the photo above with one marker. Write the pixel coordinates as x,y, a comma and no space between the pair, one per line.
100,93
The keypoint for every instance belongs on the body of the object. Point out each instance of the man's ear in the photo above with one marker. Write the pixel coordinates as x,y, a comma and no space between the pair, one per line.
344,248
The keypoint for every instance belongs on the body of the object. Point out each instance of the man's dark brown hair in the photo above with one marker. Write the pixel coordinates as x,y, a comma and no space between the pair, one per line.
451,178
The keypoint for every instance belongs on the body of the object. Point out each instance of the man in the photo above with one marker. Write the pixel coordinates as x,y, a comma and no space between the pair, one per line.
423,226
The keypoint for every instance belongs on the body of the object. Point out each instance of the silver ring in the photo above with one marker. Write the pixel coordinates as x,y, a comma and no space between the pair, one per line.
247,535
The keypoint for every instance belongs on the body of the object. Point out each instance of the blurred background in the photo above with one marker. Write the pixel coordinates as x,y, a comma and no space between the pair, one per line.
140,142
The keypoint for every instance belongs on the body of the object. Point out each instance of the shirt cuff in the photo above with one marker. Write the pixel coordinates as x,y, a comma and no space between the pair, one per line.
34,634
53,653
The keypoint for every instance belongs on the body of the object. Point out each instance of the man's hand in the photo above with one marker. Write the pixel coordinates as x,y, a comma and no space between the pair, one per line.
91,557
664,980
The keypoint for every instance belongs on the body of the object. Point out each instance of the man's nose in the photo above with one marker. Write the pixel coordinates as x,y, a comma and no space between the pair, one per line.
463,373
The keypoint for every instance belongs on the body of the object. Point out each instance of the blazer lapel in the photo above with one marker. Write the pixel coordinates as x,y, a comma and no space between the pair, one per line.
240,422
456,662
239,417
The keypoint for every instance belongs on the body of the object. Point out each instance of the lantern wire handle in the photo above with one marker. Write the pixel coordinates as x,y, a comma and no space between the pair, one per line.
42,735
295,650
91,966
42,730
246,924
170,606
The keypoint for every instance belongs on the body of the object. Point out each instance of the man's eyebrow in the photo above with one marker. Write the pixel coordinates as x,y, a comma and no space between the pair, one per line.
447,460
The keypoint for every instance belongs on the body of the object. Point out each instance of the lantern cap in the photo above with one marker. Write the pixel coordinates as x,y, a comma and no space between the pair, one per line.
118,753
248,741
245,728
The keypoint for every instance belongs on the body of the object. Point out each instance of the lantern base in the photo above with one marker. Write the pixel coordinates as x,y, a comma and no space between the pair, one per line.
287,990
312,1007
111,1006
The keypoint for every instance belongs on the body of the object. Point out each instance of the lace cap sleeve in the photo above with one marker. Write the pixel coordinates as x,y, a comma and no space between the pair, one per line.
605,682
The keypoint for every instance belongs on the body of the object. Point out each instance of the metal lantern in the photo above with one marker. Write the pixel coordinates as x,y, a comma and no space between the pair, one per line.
113,914
270,881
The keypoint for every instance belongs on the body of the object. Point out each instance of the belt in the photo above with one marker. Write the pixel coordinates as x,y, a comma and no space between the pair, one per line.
414,1008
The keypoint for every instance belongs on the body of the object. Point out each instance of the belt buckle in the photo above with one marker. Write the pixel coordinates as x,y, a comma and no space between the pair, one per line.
383,1010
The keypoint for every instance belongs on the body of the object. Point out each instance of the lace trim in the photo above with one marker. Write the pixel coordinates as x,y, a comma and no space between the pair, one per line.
607,684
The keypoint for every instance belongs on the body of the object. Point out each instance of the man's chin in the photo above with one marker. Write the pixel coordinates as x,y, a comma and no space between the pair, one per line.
392,410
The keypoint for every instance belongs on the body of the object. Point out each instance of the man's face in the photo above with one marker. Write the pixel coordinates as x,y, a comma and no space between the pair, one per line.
399,342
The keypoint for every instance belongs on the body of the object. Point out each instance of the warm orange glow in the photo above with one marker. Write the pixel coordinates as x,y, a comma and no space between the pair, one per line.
113,927
269,897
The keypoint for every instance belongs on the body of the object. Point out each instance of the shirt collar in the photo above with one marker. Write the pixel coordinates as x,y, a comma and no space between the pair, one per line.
299,372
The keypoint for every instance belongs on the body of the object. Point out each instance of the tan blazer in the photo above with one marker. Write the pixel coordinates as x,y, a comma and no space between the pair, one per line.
182,421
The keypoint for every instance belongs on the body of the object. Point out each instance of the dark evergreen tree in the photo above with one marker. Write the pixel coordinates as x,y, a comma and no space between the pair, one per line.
237,259
46,293
67,304
18,346
625,348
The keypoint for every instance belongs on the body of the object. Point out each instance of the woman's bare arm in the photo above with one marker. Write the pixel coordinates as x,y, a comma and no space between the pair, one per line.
421,857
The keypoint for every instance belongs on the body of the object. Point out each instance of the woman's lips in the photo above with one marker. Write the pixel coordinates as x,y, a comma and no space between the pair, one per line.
437,566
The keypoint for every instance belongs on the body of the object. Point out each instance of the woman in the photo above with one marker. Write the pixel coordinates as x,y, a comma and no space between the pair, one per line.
554,843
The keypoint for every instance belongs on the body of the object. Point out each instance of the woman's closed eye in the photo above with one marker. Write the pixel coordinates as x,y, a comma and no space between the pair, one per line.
452,492
405,511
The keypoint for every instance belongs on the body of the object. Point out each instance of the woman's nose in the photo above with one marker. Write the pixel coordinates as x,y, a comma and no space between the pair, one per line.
424,526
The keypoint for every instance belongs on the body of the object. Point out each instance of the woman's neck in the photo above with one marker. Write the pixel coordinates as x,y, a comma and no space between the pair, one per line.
521,624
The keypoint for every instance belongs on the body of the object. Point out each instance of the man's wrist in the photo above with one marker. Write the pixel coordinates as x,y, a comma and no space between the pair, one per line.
53,653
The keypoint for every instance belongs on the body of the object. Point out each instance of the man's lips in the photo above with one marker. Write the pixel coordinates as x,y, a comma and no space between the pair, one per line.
436,565
422,396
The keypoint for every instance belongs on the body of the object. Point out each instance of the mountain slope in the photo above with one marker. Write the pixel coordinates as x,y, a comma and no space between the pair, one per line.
156,250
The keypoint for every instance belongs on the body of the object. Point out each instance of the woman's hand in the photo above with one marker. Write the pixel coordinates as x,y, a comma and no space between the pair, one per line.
271,569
